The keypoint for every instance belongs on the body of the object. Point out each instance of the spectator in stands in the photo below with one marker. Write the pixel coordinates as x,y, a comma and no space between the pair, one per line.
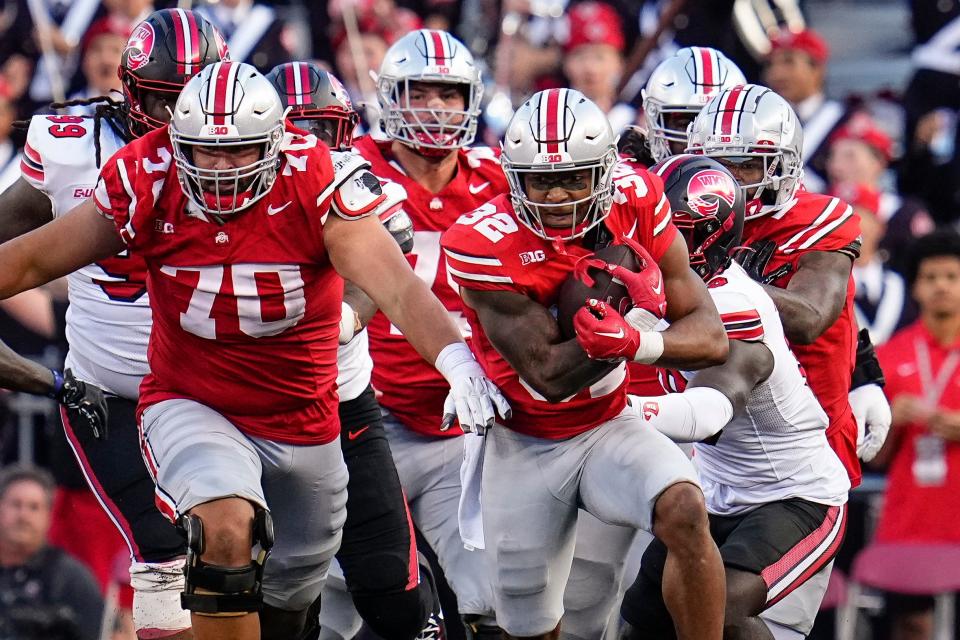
46,594
922,368
255,33
130,12
881,301
796,69
593,59
859,154
103,45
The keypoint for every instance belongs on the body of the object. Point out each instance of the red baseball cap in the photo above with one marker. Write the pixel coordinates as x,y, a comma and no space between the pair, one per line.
106,26
808,41
594,23
861,196
862,128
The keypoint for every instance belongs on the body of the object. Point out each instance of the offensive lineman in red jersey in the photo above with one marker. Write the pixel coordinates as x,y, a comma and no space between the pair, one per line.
244,228
573,439
429,90
802,244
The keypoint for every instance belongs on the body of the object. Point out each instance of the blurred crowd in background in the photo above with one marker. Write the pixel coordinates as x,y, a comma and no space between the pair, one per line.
875,84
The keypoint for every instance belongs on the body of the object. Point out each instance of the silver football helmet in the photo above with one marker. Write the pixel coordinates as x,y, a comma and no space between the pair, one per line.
751,121
560,130
427,55
677,90
228,104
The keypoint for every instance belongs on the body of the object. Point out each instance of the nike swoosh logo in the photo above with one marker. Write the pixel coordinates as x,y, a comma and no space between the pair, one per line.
353,435
657,289
619,334
272,211
477,188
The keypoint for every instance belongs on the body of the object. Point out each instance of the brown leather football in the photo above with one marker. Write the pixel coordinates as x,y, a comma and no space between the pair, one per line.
575,291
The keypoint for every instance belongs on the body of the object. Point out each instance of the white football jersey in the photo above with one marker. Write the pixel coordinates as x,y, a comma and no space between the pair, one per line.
108,320
354,363
776,449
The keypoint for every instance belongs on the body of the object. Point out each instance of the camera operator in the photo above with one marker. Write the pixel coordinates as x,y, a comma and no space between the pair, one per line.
44,592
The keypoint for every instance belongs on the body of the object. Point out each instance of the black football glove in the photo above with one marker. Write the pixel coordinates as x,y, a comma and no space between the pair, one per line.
400,226
755,258
82,400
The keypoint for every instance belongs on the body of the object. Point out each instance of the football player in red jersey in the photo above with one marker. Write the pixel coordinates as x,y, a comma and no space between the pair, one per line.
429,90
571,422
801,244
108,323
244,227
377,560
675,92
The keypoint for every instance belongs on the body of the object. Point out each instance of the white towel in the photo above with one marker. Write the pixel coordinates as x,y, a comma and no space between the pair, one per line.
468,512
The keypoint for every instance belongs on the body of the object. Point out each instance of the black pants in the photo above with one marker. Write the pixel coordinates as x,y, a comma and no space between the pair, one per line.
115,470
378,554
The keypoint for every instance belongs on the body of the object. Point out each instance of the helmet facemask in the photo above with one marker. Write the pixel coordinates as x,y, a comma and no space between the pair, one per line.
587,212
333,126
431,132
662,128
225,192
707,256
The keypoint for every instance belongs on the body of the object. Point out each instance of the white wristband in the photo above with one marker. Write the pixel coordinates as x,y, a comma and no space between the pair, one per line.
651,347
348,323
456,360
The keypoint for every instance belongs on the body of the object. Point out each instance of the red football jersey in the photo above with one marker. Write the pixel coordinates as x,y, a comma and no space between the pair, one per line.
245,313
490,250
413,390
814,222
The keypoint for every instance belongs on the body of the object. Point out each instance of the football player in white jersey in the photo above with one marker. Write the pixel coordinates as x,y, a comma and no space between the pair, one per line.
374,561
109,319
775,490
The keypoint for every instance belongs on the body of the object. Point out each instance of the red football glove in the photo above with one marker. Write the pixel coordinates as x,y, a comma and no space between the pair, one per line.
603,333
645,287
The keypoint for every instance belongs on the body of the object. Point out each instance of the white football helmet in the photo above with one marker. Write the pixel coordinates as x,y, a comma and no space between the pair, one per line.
752,121
228,104
431,56
677,90
554,131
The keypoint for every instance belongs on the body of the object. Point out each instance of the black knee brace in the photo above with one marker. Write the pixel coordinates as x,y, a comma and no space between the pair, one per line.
224,591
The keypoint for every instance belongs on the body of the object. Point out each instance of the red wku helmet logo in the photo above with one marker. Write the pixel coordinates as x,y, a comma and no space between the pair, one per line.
706,188
651,409
140,46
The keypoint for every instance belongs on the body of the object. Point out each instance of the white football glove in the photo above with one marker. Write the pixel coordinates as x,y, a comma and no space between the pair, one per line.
872,411
473,399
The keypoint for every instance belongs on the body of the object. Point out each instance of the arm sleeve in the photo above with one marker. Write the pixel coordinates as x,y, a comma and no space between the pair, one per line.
691,416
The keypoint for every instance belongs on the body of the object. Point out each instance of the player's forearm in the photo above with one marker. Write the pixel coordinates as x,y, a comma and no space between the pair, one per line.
360,302
19,374
803,319
420,316
695,341
563,370
694,415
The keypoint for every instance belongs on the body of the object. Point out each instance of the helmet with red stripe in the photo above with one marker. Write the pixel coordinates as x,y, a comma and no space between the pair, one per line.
164,51
318,102
756,134
228,105
708,207
560,131
429,56
677,90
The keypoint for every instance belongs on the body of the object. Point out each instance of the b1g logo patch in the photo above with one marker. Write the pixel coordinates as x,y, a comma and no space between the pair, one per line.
707,188
140,46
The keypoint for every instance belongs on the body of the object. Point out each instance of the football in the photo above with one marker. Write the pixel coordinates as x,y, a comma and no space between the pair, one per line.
575,292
